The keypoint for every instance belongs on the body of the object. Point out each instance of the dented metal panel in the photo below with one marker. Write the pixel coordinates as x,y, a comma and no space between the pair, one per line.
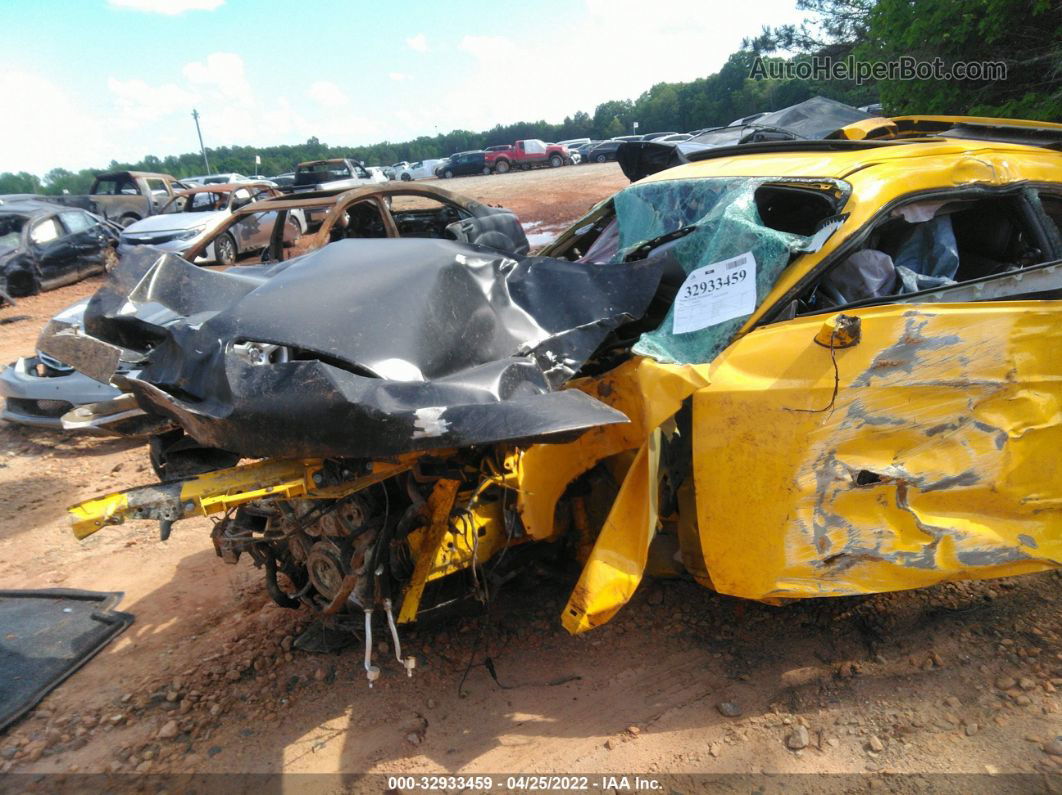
369,347
936,458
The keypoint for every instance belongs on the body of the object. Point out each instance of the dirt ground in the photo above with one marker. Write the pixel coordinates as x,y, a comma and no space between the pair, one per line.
961,678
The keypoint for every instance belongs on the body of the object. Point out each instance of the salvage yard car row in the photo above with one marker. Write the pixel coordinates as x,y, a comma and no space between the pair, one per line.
812,366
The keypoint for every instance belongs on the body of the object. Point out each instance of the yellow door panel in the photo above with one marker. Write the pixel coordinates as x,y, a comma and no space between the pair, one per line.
932,454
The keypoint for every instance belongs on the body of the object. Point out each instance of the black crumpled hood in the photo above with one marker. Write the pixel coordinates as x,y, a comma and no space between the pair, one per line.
395,345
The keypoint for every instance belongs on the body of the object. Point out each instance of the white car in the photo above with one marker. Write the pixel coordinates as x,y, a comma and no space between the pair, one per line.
197,213
422,169
334,174
217,179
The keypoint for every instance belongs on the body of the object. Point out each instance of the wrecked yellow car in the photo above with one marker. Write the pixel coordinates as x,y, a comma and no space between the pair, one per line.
793,369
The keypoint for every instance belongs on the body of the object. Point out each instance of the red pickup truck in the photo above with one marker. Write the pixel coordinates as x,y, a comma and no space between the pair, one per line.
530,153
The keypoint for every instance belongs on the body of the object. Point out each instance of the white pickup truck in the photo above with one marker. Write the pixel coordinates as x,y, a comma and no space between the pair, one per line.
337,174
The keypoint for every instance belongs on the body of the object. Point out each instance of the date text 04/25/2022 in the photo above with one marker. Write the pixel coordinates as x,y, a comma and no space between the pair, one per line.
524,783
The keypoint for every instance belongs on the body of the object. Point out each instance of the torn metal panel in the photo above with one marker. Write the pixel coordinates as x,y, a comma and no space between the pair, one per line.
643,390
933,461
378,346
617,562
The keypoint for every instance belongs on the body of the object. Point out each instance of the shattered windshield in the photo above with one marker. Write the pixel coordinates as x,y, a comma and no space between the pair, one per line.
11,231
729,257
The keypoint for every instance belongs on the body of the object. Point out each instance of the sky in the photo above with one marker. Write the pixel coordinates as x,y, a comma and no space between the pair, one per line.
90,81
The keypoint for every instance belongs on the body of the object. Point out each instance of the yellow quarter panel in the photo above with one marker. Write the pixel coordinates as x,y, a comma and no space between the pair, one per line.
938,459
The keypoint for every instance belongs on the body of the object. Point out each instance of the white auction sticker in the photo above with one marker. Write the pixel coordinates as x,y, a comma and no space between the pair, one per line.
717,292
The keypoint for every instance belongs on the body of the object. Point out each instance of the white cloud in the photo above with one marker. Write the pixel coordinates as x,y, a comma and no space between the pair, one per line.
418,42
668,45
139,102
223,74
50,115
167,7
327,94
115,113
488,48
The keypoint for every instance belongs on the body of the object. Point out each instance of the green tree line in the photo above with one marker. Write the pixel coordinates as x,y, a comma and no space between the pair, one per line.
1024,34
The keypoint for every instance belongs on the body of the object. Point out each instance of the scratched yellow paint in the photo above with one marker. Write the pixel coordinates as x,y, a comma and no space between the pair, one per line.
937,460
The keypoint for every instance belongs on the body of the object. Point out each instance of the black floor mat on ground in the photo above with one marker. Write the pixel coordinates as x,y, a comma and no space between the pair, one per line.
47,635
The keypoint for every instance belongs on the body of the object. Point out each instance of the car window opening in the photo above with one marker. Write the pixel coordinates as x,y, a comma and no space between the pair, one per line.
925,245
11,230
423,216
361,220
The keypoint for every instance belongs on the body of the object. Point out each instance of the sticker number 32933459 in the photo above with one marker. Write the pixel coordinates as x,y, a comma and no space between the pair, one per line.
717,292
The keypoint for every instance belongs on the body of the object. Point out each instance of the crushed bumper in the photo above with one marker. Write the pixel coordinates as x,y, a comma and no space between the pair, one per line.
41,400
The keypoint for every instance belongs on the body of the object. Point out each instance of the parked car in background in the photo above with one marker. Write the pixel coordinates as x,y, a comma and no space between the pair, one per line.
333,174
655,135
626,138
391,171
45,245
195,214
463,164
603,151
529,153
573,143
583,149
217,179
285,180
422,169
673,138
124,196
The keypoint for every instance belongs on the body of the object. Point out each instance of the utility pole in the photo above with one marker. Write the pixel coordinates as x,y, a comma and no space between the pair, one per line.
195,115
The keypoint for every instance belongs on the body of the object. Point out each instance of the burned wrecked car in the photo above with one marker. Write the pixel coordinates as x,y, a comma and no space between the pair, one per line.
44,246
195,215
372,211
795,373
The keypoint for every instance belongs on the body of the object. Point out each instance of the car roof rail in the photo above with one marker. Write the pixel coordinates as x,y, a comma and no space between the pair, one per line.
800,145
